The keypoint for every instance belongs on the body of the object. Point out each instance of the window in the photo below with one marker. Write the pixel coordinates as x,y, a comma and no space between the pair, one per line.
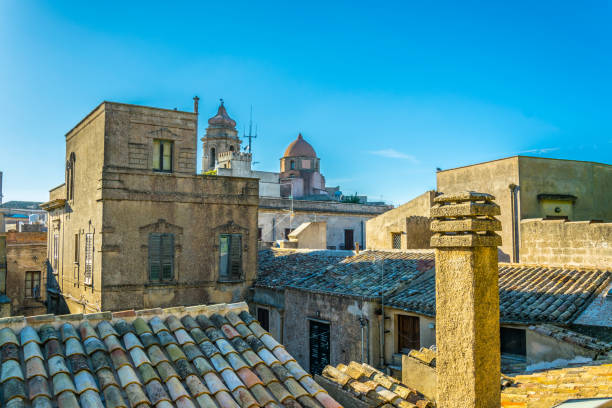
230,257
259,234
32,284
513,341
263,315
162,155
76,259
292,165
55,252
231,148
70,177
213,157
396,240
287,232
161,257
89,253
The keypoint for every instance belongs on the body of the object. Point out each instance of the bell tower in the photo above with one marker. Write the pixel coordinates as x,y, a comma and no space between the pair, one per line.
221,136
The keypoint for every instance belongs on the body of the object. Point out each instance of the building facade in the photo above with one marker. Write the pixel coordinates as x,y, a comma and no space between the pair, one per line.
533,187
133,226
23,272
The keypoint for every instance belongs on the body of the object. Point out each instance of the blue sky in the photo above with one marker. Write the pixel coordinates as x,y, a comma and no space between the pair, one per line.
384,91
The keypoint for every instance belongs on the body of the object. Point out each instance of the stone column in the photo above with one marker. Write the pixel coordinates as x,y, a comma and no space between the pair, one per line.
467,300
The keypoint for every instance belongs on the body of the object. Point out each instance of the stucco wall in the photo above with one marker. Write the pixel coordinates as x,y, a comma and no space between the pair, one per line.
546,348
590,183
411,219
343,315
491,177
559,242
310,235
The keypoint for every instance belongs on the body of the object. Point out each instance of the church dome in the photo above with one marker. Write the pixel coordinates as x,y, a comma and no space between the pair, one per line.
300,147
222,119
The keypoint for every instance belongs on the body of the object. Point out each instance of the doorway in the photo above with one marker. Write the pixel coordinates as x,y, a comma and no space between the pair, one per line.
349,241
319,346
409,333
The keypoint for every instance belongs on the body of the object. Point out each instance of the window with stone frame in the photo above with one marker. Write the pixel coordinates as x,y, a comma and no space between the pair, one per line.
161,257
396,240
162,155
70,164
32,284
89,255
55,252
230,257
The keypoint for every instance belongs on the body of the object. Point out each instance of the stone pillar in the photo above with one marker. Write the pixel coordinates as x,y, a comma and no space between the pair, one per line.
467,300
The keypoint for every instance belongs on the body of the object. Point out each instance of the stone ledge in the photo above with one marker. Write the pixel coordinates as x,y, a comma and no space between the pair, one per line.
465,240
464,196
465,209
469,224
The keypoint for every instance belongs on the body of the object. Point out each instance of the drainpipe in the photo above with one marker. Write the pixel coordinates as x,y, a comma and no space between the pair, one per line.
515,224
362,323
382,315
273,229
362,241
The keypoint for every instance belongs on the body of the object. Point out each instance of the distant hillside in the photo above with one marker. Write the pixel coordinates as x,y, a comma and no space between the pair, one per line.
30,205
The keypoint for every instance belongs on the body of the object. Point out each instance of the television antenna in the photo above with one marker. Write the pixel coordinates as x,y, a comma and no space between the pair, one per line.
251,136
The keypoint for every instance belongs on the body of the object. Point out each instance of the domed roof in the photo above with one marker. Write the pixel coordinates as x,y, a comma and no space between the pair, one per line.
222,119
300,147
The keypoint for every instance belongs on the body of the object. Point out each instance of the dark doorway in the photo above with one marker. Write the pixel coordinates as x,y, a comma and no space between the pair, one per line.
263,315
349,242
319,346
287,232
409,333
513,341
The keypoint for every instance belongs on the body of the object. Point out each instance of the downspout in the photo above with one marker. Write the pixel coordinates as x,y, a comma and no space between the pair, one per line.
273,229
362,241
382,314
514,217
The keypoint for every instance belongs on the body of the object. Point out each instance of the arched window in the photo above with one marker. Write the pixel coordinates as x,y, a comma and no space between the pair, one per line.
213,155
292,165
231,148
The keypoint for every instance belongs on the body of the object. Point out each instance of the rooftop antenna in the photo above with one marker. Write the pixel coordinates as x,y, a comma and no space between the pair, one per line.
251,136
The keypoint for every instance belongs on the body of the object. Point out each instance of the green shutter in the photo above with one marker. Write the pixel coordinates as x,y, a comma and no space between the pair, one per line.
167,256
154,257
235,252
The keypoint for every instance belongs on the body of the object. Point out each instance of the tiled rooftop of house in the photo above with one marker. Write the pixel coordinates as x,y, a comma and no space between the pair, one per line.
527,293
358,275
372,386
203,356
548,388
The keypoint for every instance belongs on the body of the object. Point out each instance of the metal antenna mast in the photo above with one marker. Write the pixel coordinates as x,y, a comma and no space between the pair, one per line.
251,136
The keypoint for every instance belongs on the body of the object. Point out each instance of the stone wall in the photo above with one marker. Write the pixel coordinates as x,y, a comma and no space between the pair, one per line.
120,199
25,251
343,315
411,220
560,242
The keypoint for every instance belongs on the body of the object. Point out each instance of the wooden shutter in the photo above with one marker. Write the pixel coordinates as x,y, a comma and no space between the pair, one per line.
235,253
154,257
89,251
319,346
167,256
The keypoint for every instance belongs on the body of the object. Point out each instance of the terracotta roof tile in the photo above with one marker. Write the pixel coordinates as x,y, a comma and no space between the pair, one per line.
157,358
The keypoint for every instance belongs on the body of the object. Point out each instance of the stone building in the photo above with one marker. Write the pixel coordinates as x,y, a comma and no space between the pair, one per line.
295,196
23,272
336,296
534,187
133,226
404,227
